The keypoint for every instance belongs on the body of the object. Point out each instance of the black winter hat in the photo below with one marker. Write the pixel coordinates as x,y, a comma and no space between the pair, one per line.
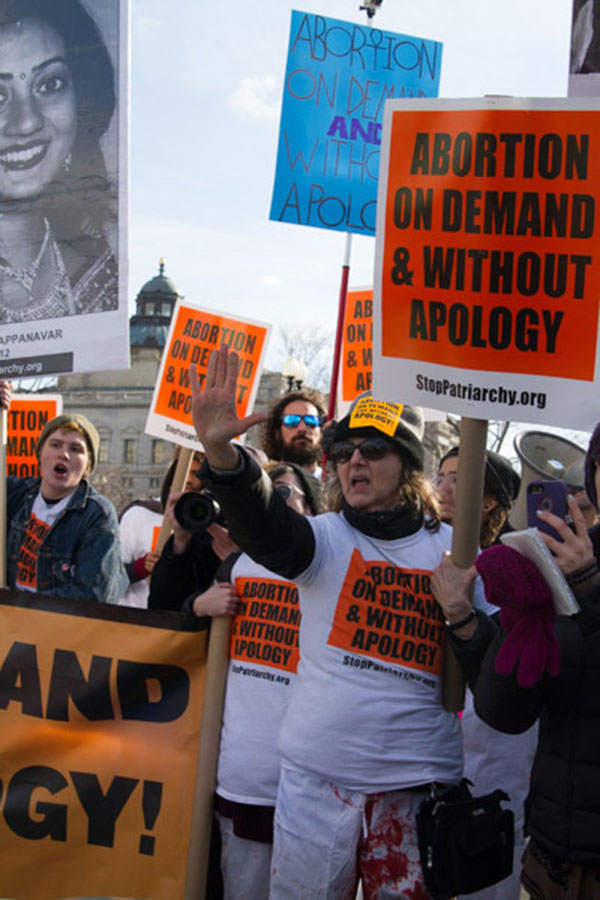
500,479
401,424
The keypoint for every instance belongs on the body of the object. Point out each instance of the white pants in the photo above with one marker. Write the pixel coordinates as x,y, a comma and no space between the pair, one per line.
326,837
245,865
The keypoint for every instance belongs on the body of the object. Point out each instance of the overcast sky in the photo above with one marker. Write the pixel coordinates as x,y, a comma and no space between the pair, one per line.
206,88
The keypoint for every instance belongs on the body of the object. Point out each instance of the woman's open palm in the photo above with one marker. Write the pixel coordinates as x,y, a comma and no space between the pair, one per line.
214,410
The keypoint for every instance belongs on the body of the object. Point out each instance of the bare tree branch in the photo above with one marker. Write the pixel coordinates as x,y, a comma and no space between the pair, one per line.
314,347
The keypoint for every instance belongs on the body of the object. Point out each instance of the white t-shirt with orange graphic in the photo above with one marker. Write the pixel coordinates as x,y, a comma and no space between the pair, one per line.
43,515
262,672
367,708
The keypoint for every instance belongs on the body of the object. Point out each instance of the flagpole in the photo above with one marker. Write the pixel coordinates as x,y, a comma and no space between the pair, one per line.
343,296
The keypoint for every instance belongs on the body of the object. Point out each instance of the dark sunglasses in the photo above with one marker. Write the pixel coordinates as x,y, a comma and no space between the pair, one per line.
292,420
285,491
370,448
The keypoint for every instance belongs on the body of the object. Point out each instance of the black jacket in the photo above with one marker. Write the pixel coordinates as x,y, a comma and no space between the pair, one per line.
175,576
564,802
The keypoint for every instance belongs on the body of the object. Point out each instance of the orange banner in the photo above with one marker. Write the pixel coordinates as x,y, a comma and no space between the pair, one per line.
490,232
194,335
265,631
389,614
26,419
357,344
100,711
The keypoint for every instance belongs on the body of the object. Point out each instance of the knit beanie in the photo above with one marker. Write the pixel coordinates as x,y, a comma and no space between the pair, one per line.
401,424
500,479
75,422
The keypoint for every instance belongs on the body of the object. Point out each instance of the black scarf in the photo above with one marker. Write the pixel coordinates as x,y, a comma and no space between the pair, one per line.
385,524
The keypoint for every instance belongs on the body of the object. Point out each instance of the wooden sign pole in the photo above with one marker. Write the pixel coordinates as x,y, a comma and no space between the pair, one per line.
182,470
465,537
208,754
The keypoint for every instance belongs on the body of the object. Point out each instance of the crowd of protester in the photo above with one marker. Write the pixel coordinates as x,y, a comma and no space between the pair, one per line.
331,554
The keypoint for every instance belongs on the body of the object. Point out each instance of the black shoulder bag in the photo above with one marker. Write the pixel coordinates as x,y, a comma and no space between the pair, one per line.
466,843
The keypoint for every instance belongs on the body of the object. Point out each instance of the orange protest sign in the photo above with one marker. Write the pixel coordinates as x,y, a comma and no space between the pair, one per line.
100,711
193,335
26,418
497,213
389,614
357,345
486,255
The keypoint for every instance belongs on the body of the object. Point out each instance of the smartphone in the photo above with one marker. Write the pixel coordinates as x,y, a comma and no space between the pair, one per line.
549,496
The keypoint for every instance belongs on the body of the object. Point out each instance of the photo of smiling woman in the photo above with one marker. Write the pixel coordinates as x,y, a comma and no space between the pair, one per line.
57,204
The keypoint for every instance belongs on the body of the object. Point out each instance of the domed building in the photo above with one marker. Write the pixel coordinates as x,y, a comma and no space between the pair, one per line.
154,308
131,463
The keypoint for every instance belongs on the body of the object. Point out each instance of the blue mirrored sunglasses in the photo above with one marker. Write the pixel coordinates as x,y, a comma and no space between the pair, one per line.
292,420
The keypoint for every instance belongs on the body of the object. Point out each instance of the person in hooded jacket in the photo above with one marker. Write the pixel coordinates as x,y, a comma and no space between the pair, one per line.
556,679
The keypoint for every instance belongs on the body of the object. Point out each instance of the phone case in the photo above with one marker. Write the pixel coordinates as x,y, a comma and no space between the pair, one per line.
550,496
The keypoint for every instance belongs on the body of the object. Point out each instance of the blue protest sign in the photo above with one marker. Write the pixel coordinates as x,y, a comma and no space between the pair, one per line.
338,77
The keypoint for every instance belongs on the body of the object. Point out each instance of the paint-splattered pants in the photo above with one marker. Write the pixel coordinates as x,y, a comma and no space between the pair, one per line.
326,837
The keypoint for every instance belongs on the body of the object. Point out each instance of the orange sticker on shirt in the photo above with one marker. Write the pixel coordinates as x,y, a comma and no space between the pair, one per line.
390,614
265,631
28,554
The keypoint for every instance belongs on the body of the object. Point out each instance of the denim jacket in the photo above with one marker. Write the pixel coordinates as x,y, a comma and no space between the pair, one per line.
80,556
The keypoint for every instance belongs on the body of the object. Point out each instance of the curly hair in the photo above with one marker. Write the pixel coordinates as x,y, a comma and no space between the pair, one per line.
271,428
415,491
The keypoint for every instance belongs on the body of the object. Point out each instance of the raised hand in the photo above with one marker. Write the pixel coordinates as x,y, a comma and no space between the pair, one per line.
214,411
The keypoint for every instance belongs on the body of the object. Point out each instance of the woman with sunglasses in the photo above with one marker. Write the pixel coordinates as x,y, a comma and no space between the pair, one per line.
365,733
261,676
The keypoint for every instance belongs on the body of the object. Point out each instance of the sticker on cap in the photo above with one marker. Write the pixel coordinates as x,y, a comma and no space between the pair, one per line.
376,414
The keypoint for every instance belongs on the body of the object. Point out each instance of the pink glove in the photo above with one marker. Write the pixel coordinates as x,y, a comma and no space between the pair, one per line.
527,614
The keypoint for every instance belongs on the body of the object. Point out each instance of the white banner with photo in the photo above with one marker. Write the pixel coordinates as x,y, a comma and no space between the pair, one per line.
63,181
